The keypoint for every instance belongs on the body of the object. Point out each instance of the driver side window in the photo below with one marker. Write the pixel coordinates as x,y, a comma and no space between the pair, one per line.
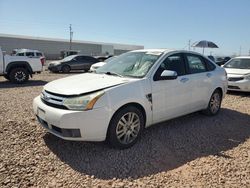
173,62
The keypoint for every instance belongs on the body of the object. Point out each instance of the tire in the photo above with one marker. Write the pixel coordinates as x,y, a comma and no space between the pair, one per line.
121,133
19,75
66,69
6,77
214,104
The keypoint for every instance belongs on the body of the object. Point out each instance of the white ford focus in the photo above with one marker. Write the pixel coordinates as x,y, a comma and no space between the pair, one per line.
136,90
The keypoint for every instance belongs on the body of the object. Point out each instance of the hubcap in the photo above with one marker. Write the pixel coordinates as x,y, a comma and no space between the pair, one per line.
215,103
20,76
128,128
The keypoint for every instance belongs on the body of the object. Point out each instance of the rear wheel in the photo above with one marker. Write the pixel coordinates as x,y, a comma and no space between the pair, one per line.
214,104
19,75
66,68
125,127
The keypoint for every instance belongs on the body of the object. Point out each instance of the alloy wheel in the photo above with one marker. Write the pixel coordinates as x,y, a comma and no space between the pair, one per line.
128,128
215,102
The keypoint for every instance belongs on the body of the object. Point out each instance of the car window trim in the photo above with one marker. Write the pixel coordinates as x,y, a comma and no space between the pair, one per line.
172,54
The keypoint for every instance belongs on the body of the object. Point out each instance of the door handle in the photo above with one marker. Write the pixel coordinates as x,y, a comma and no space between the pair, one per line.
209,75
184,80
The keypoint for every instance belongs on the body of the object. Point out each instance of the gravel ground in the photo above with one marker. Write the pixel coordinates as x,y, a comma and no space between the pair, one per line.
193,150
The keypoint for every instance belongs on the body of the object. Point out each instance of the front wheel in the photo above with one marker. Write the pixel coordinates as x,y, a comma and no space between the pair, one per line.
66,69
214,104
125,127
19,75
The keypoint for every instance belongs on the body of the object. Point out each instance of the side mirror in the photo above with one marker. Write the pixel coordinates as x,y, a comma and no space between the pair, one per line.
168,75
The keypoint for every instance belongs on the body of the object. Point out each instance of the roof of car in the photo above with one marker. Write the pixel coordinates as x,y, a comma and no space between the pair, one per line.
154,50
26,50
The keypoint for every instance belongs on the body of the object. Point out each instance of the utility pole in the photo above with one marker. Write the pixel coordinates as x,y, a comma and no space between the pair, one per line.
70,37
249,53
240,51
189,45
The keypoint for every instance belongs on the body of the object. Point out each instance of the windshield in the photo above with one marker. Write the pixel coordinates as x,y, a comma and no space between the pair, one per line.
238,64
131,64
69,58
109,59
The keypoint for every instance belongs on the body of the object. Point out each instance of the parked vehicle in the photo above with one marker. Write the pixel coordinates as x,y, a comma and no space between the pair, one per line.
99,64
103,58
18,69
221,60
73,62
137,89
238,71
30,53
66,53
211,58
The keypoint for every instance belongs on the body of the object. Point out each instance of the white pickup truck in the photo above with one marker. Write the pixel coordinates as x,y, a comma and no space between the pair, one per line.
18,69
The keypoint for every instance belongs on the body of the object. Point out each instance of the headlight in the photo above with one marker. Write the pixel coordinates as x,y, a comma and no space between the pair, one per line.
85,102
247,77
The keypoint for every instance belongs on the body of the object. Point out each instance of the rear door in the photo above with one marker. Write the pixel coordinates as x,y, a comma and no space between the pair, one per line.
201,78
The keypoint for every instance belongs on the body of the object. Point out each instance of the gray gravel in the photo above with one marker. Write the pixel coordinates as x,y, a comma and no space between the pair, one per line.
193,150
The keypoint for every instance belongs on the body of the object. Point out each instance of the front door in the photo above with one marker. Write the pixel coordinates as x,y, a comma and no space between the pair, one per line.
171,98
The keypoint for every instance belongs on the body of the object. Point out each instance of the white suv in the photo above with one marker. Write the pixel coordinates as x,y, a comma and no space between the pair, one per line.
136,90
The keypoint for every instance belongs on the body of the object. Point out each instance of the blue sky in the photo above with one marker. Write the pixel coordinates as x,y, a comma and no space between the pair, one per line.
154,24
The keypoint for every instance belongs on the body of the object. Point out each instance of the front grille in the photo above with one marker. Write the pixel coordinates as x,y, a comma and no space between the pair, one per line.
53,100
233,87
235,79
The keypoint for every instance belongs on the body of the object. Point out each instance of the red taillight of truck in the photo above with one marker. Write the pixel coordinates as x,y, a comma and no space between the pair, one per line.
42,59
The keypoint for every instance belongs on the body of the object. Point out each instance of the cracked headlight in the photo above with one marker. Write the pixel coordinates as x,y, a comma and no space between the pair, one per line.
85,102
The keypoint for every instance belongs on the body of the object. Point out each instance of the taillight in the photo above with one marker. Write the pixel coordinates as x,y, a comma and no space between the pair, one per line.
42,61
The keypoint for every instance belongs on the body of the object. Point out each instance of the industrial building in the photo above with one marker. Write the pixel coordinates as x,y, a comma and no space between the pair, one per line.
52,47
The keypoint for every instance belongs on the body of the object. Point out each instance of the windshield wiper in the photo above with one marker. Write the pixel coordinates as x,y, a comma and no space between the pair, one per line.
113,73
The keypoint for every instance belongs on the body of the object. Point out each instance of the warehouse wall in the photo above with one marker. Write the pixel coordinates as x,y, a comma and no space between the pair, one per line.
52,47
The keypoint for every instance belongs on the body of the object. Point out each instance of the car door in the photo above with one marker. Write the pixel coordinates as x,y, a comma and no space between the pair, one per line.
75,63
201,79
171,98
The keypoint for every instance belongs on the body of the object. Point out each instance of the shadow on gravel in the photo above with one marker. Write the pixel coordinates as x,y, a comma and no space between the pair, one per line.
164,147
29,83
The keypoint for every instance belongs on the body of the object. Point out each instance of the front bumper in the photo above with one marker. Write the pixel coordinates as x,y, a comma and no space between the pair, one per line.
54,68
88,125
242,85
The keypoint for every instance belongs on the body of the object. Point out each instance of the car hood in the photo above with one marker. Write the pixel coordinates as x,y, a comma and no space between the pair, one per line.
99,64
84,83
237,72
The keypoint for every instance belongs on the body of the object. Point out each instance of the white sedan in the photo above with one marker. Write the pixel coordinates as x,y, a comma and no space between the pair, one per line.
100,64
136,90
238,71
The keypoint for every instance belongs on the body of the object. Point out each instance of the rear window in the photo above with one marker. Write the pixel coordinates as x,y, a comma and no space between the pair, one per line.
210,66
30,54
